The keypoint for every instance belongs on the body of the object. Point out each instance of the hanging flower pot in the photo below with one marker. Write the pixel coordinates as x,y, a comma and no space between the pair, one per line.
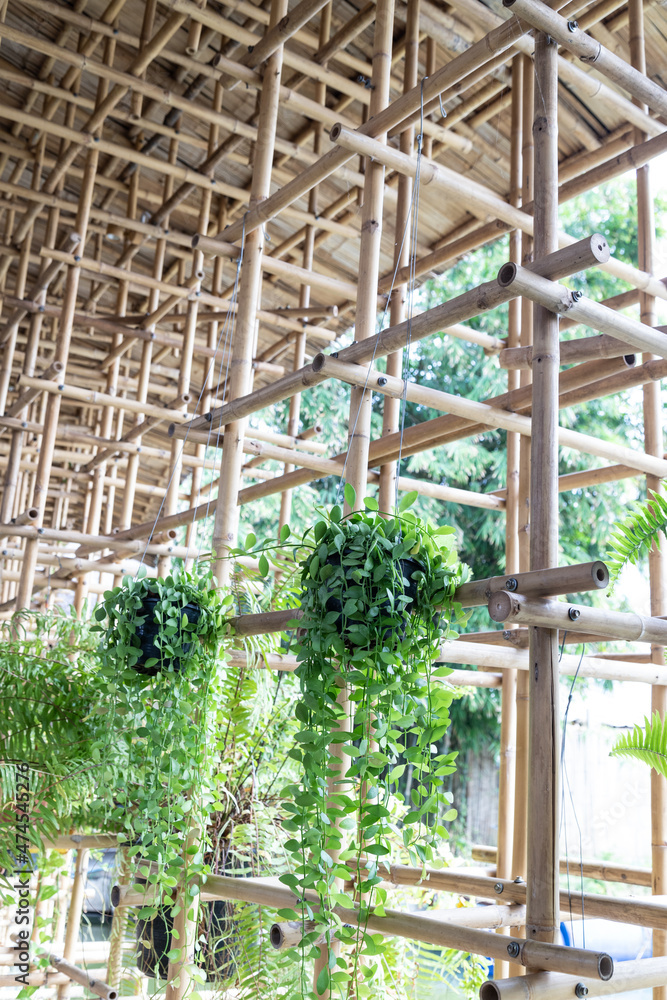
406,583
149,631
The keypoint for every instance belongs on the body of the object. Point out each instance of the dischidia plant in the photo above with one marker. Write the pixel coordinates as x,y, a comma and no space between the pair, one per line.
632,540
377,600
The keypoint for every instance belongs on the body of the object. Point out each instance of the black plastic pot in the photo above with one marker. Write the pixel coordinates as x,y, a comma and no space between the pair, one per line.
217,956
408,568
148,632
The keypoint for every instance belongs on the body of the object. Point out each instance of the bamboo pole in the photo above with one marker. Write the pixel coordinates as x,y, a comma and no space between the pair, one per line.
240,380
74,912
599,870
77,975
538,583
402,251
455,310
61,353
576,618
556,298
654,445
590,51
642,973
483,413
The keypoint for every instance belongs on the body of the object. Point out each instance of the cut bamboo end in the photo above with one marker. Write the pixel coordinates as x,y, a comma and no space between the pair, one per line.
28,516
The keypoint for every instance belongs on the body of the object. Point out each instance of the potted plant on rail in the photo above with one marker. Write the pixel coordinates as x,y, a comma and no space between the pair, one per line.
377,600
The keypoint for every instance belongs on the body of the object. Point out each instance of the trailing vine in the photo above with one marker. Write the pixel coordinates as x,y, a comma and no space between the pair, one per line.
377,600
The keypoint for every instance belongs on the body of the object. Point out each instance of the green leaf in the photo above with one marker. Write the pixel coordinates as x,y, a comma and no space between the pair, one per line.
285,532
322,983
370,503
648,745
263,565
350,495
407,500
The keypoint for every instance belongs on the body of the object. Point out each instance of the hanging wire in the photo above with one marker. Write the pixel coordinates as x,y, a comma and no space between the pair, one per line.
563,821
226,331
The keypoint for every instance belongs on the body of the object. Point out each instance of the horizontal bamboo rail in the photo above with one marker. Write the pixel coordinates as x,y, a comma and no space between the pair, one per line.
539,583
504,607
571,351
100,398
495,657
414,926
80,976
591,51
640,974
456,310
559,299
602,871
482,413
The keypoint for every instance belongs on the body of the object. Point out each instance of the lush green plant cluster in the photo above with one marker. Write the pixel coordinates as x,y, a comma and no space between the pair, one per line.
648,744
46,665
366,672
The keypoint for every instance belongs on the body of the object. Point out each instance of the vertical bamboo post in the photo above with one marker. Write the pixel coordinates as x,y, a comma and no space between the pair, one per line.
542,911
653,445
307,263
369,253
61,353
521,770
96,496
391,412
240,379
74,913
506,783
118,928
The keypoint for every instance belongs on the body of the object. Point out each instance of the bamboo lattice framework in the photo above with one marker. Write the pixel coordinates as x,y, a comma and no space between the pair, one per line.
198,202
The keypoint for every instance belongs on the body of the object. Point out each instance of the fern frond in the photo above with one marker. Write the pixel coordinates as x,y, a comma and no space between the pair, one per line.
634,537
648,745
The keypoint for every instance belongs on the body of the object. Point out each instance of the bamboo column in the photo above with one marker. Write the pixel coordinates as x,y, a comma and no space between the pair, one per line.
369,253
654,445
74,914
240,373
391,412
508,719
61,353
542,914
307,262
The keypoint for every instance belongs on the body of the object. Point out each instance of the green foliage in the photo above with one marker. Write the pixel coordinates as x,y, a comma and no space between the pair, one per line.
633,538
46,661
648,745
372,621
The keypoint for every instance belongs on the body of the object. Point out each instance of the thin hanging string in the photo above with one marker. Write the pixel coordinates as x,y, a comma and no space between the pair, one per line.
406,227
230,326
199,399
412,278
563,820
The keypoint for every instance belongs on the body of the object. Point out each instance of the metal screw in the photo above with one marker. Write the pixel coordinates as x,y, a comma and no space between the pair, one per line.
334,354
518,880
572,26
580,990
577,294
498,887
511,583
382,380
573,614
513,949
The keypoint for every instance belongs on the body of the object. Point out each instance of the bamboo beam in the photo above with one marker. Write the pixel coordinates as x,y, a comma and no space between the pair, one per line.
77,975
601,871
590,51
576,618
482,413
558,299
419,927
642,973
538,583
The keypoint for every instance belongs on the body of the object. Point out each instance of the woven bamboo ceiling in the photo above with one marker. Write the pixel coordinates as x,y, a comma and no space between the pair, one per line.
173,90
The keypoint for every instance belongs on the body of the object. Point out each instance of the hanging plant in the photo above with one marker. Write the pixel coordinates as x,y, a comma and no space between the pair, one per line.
161,656
377,600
